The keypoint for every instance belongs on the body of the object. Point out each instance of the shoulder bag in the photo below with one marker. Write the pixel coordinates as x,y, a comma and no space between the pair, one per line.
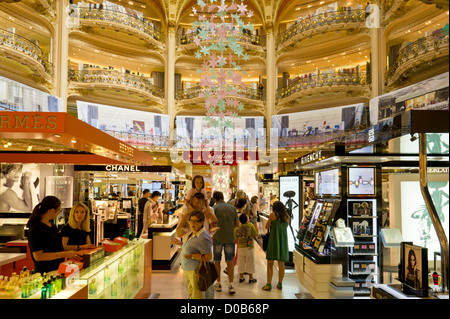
206,274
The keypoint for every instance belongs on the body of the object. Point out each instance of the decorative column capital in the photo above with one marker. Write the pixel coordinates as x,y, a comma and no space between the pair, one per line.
171,24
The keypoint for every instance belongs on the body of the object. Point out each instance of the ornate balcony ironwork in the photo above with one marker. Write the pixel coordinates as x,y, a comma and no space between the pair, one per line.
313,80
314,21
434,42
118,17
241,37
243,92
26,46
116,77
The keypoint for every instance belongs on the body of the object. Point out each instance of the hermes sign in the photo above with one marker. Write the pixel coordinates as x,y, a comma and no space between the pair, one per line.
28,121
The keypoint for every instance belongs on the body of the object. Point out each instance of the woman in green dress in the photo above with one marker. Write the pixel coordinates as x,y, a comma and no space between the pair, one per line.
277,247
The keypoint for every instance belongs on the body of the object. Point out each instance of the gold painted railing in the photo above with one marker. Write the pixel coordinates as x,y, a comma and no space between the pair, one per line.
313,80
314,21
117,17
26,46
244,92
437,40
116,77
241,37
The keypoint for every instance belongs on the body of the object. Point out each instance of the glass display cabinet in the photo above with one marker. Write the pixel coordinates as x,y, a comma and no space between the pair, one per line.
119,275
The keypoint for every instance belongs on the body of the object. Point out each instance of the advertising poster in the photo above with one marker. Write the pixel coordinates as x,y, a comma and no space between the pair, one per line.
430,94
195,129
417,226
327,182
361,181
61,187
19,187
130,126
313,123
15,96
290,197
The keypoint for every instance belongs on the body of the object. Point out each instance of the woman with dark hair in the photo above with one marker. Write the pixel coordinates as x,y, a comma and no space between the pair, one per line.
44,240
277,247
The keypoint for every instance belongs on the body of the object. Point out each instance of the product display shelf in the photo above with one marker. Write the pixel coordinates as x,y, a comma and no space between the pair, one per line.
362,257
119,275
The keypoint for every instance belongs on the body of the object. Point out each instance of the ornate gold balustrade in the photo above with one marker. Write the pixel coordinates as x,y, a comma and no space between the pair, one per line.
313,80
315,21
417,50
26,46
241,37
243,92
85,13
116,77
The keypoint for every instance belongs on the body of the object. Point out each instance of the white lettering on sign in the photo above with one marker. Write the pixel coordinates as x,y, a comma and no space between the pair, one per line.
371,135
311,157
122,168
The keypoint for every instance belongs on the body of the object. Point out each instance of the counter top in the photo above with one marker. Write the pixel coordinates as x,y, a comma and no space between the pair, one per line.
163,227
7,258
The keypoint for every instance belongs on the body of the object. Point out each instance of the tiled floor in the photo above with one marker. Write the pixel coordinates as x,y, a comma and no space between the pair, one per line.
171,285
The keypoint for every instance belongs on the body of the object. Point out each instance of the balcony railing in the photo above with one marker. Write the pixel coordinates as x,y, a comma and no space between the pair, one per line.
241,37
118,17
26,46
243,92
116,77
327,18
313,80
434,42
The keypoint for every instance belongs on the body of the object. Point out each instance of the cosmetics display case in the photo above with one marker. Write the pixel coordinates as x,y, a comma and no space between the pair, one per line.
315,230
363,256
120,275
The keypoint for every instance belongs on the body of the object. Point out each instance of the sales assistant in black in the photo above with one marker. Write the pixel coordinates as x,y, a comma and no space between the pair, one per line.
75,234
44,240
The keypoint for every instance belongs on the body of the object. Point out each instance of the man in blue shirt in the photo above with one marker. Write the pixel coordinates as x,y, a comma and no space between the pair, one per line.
223,239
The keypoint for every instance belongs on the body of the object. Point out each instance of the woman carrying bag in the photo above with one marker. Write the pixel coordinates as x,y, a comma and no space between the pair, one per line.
197,247
277,246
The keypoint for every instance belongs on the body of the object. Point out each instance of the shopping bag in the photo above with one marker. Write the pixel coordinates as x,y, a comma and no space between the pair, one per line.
265,240
206,274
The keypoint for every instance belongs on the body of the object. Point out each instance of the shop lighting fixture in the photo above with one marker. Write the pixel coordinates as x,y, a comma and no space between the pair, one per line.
57,135
5,146
29,148
73,141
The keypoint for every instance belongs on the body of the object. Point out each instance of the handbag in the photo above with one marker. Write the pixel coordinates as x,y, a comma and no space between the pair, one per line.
206,274
265,240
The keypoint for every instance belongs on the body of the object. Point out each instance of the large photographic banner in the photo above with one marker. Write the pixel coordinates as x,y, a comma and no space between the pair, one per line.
17,97
431,94
313,123
130,126
416,222
19,187
290,197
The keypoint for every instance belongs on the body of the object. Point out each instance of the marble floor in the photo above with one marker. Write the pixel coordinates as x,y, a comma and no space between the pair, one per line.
171,285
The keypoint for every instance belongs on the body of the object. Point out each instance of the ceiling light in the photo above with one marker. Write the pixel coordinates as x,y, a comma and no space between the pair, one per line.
73,141
29,148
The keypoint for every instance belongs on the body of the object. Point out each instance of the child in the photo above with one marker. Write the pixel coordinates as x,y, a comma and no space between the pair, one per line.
244,235
198,184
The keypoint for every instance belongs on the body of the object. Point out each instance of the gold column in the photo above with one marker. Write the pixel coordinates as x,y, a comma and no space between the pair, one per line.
60,54
377,45
170,73
271,85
